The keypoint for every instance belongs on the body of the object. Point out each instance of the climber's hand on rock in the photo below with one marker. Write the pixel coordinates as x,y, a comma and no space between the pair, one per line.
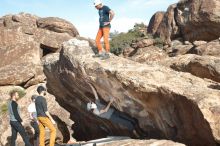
112,99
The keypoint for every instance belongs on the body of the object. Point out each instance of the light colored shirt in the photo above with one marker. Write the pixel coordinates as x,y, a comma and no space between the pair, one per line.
14,111
32,110
100,106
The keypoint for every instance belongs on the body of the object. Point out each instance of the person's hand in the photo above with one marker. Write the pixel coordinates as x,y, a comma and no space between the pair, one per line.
73,141
112,100
106,23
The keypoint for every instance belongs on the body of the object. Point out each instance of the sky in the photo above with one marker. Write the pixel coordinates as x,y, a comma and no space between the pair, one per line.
83,14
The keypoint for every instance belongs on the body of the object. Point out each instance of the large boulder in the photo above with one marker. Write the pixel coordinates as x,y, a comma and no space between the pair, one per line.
211,48
200,19
24,40
168,28
155,21
191,20
20,59
86,124
21,19
166,103
200,66
57,25
51,41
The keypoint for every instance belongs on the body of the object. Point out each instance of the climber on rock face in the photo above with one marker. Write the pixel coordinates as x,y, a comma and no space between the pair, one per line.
113,115
105,17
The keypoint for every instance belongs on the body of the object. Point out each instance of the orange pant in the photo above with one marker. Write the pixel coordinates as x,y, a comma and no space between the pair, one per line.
45,122
103,32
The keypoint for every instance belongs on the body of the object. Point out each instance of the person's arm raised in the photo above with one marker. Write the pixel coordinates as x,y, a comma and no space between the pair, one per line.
107,107
94,91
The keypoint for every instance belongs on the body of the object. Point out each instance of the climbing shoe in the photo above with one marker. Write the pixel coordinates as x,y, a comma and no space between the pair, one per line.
105,56
98,55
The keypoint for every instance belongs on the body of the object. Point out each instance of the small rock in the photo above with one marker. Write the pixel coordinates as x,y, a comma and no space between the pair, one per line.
199,43
187,43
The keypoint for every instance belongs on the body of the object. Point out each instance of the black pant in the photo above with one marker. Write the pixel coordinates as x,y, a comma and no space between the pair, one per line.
122,119
34,124
15,128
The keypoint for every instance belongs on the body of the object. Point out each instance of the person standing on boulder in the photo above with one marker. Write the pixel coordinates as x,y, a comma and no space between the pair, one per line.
105,17
34,122
44,117
15,120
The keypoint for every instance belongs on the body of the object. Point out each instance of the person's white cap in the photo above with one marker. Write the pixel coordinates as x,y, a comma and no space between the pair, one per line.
91,106
97,2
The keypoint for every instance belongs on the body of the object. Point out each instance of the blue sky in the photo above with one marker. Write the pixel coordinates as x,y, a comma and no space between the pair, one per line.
83,14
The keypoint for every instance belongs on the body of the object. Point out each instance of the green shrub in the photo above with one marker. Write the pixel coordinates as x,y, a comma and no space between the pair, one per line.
21,92
159,42
4,108
120,41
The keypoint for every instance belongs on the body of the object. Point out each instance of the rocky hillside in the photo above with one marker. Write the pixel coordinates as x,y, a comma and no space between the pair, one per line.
172,91
189,20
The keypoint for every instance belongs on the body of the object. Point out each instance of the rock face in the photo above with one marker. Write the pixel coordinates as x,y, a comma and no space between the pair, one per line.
168,29
179,50
57,25
155,22
20,61
211,49
24,40
191,20
166,103
148,55
201,19
86,124
61,116
200,66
